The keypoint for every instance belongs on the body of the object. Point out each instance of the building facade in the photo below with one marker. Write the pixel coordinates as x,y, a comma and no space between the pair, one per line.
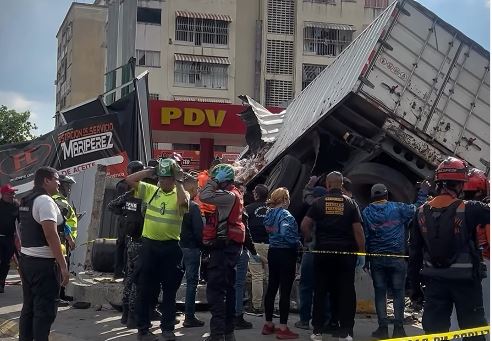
81,55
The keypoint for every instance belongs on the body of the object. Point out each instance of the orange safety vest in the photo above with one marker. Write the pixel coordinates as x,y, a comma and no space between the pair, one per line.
203,177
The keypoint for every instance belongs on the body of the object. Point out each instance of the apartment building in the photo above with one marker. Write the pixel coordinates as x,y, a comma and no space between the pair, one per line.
81,55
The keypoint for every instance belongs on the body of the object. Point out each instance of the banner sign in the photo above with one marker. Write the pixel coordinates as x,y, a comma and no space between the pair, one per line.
71,149
191,158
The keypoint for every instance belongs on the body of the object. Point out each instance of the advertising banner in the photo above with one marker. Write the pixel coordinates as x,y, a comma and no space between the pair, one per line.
71,149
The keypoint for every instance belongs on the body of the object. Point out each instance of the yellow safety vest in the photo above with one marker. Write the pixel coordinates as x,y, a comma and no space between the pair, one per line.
71,216
163,218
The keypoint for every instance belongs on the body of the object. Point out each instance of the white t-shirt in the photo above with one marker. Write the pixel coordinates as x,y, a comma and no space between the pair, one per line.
44,208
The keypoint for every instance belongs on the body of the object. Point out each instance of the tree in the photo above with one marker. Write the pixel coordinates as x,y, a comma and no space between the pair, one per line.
15,126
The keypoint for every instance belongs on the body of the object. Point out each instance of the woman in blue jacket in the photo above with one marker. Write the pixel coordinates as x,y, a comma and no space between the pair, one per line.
282,254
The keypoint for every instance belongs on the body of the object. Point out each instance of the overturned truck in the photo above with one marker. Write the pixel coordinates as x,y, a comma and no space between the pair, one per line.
409,91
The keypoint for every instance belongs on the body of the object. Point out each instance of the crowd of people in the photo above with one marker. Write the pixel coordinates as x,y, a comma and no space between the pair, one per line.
172,225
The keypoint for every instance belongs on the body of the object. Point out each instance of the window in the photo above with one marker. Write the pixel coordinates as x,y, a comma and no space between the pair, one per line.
153,97
278,93
147,15
148,58
200,75
280,16
376,3
202,31
310,72
327,2
280,57
325,42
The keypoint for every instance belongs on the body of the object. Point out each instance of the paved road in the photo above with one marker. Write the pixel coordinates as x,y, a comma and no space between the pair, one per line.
91,324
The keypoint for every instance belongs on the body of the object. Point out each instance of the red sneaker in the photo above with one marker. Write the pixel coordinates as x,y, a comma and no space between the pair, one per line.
268,330
286,334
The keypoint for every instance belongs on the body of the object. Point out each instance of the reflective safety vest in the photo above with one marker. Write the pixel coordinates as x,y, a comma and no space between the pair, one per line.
67,212
449,251
217,234
203,177
163,217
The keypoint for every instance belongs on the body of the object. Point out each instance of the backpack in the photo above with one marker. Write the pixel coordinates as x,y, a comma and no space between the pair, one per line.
219,233
449,247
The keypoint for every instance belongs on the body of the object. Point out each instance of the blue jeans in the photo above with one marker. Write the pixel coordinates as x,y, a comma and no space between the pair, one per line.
241,271
306,289
191,263
389,273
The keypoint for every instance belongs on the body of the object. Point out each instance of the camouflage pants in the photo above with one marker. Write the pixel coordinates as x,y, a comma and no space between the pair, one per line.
129,290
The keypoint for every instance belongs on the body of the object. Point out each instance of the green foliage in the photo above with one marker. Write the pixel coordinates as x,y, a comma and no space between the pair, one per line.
15,126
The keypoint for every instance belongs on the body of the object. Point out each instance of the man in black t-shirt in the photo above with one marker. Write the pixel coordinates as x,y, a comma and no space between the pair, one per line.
256,214
338,228
9,213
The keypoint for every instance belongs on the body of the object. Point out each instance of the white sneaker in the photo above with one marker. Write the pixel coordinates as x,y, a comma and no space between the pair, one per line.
347,338
317,337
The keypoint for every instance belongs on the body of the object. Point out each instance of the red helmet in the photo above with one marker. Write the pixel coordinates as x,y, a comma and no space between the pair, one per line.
452,169
477,181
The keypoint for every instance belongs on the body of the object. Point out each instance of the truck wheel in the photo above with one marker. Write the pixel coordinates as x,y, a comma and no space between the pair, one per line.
366,174
102,255
296,202
284,174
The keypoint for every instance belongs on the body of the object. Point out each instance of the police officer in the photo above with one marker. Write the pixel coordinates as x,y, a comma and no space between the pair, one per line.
120,254
69,231
338,228
159,262
130,211
41,261
443,239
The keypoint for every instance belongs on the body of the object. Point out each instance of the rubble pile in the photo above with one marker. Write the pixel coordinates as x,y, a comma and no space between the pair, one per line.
248,167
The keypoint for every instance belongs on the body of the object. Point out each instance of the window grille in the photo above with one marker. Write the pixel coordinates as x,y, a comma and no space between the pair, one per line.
376,3
200,75
202,31
278,93
310,72
147,15
280,57
280,16
148,58
325,42
327,2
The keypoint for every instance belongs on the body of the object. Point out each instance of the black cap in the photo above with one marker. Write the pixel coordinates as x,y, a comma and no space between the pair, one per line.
135,166
378,190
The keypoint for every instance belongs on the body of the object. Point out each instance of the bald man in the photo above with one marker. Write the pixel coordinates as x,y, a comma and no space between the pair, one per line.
338,228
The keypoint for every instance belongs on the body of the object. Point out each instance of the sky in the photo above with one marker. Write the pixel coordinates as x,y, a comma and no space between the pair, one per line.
28,43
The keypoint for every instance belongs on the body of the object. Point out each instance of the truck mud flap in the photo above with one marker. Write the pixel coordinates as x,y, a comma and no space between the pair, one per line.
366,174
284,174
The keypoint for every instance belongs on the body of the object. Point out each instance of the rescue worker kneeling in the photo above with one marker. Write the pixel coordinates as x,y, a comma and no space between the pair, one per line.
223,235
159,262
443,238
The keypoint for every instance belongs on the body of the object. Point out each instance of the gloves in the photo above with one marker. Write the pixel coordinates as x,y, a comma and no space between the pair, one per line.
178,172
361,260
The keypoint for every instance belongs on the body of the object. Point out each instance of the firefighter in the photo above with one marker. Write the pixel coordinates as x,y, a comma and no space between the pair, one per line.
223,235
69,233
443,240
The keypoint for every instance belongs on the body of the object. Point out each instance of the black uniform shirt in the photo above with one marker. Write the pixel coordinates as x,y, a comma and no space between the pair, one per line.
9,213
256,214
334,215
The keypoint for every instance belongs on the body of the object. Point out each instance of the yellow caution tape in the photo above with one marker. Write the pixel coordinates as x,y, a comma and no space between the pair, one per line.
356,253
457,334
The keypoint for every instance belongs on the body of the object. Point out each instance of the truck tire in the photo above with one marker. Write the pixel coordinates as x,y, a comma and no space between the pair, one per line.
296,203
366,174
102,255
284,174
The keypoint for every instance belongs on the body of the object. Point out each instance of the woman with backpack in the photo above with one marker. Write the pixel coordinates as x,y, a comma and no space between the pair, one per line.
282,255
